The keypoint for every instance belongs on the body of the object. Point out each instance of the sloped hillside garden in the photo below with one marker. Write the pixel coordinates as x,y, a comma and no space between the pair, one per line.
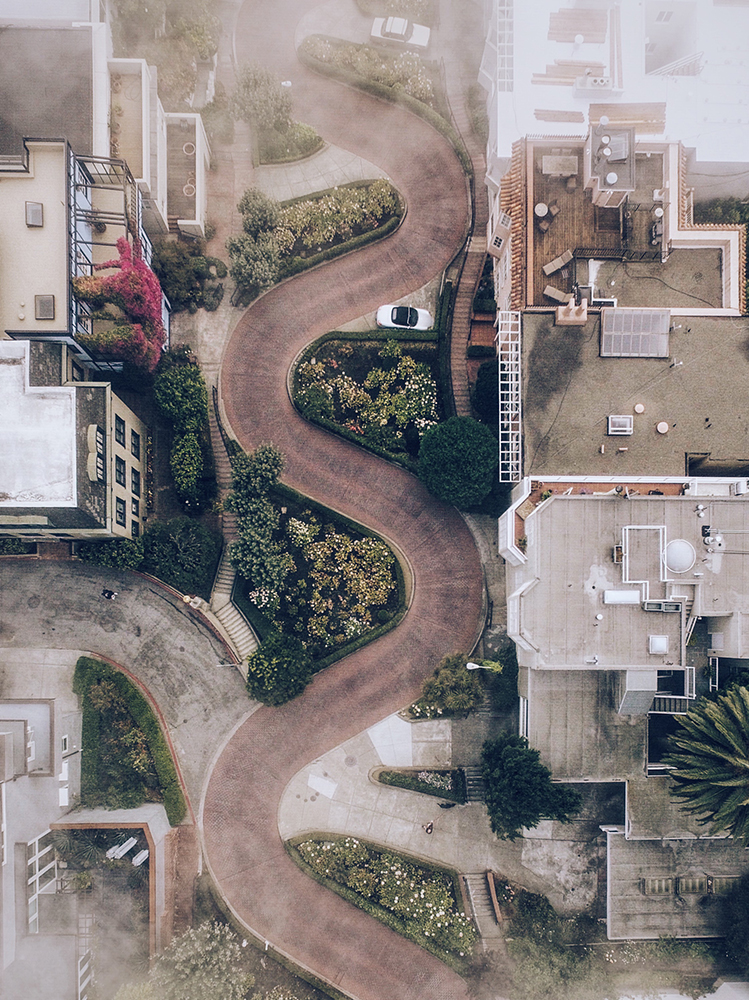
383,394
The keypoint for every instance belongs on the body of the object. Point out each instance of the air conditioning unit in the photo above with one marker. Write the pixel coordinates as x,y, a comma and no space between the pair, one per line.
598,83
620,425
740,487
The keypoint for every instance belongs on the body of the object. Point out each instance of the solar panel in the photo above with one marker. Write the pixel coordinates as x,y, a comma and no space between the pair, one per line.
635,333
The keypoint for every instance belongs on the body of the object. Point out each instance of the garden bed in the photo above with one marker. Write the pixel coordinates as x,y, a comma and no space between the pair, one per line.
446,784
125,758
296,143
346,587
377,390
417,900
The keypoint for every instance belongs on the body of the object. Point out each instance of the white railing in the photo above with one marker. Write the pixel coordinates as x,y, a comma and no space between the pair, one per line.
510,395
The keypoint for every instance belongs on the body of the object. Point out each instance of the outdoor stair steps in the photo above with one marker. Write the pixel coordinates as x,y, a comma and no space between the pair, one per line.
672,706
475,786
238,630
481,904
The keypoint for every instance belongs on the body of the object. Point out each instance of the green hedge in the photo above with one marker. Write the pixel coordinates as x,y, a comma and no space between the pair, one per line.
386,917
89,671
296,265
280,495
481,351
409,780
392,95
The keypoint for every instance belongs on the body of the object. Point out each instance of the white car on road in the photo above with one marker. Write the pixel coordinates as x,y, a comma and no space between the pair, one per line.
401,32
404,318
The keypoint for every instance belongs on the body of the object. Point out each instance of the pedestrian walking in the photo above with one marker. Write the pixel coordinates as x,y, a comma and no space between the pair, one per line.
428,827
109,594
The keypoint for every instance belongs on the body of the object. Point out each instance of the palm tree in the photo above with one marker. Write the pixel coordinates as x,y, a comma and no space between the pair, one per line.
710,760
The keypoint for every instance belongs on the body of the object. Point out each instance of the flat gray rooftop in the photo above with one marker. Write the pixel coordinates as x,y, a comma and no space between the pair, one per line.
46,86
37,436
569,392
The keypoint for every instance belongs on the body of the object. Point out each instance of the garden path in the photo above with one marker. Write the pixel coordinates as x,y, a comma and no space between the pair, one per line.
240,809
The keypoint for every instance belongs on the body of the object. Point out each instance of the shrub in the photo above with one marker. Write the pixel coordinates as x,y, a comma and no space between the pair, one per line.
278,670
254,262
181,395
519,789
259,212
260,99
185,273
186,463
486,392
444,784
452,690
122,553
502,681
218,119
182,553
15,546
458,460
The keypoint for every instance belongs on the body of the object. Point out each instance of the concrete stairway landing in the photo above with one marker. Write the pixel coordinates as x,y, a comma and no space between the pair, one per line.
482,906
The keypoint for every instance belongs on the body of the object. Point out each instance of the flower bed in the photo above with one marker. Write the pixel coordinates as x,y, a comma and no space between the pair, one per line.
447,784
419,902
342,587
384,397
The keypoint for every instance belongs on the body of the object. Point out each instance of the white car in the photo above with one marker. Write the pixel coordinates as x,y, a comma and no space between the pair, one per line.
404,318
400,31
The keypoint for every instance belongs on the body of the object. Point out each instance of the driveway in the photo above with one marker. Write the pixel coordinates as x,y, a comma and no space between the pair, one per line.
241,806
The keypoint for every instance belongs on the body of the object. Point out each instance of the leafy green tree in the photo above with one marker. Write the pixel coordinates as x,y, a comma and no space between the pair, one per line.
254,261
121,553
486,392
519,789
259,212
182,553
204,963
186,462
260,100
458,461
181,395
278,670
709,754
255,475
453,688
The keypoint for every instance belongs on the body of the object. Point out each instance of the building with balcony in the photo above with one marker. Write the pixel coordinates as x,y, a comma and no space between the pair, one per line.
626,601
73,457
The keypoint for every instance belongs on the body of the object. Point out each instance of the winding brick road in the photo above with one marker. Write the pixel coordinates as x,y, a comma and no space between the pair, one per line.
244,851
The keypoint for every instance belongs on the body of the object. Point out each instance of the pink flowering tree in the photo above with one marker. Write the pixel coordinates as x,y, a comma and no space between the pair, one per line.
135,290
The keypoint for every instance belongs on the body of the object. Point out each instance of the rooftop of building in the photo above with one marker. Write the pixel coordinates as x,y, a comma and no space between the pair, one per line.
669,887
697,394
46,86
38,457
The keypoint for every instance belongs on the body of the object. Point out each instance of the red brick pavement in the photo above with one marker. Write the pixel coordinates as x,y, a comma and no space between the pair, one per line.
243,848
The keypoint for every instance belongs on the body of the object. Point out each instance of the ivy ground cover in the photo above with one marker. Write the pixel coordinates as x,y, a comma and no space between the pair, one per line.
419,902
383,394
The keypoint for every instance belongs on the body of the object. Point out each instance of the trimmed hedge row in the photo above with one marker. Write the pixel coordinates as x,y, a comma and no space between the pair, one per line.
88,672
386,917
410,780
296,265
281,494
392,95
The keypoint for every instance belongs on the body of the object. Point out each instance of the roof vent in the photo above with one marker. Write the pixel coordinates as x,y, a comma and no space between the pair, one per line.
658,644
620,425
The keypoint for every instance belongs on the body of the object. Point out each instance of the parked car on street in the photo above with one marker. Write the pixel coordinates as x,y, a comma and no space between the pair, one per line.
404,318
403,33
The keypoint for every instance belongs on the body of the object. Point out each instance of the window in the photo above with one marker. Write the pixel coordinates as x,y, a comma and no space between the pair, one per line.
119,431
99,441
119,471
664,15
135,507
135,482
134,444
64,743
120,512
135,529
34,214
44,307
100,474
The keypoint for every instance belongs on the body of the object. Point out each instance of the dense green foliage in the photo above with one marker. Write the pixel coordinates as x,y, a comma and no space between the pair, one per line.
458,461
709,757
218,120
502,681
125,757
259,212
183,553
259,98
181,394
418,901
279,669
519,789
486,393
10,546
204,963
186,463
120,553
452,690
187,276
255,261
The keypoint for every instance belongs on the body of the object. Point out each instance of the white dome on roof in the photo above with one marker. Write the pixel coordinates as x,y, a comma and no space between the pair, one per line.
680,555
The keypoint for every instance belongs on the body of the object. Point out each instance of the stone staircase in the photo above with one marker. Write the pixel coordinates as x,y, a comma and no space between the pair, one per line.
475,786
482,906
233,622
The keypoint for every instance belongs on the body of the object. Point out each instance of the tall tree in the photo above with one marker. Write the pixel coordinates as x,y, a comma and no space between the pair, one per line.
710,760
519,789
